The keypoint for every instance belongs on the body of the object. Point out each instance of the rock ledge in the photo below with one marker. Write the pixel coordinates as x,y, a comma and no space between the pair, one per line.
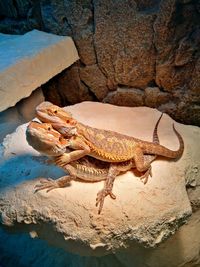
67,217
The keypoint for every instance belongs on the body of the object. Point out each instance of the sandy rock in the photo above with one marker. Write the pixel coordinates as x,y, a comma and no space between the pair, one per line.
94,78
29,61
125,97
67,217
141,44
154,97
128,54
182,51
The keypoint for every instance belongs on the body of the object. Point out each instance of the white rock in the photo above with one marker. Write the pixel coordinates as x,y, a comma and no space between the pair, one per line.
30,60
181,250
67,217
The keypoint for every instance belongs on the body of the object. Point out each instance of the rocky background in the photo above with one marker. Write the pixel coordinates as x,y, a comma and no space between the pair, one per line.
132,53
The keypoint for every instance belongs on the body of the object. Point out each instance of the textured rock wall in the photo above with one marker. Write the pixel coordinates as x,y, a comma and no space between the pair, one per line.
132,53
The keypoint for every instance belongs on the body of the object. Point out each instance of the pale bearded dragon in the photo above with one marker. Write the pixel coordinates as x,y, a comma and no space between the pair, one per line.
48,141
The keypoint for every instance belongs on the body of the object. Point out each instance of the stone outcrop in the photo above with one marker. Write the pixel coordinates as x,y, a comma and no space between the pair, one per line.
139,45
142,216
28,61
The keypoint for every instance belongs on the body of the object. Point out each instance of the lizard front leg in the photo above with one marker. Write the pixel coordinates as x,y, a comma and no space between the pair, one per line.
108,185
114,170
81,149
50,184
66,158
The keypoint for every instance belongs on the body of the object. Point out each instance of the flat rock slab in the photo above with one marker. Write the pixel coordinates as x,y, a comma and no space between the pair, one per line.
30,60
67,217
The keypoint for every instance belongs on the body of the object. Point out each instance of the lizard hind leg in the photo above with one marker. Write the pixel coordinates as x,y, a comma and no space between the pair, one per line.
148,159
50,184
143,164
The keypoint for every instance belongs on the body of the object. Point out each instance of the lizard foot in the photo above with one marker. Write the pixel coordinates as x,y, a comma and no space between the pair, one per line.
61,160
101,196
51,184
48,184
144,178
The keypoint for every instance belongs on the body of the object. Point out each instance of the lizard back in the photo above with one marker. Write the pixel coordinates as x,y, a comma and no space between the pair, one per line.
109,145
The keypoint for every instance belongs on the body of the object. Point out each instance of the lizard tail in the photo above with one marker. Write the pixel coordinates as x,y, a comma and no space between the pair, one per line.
151,148
155,132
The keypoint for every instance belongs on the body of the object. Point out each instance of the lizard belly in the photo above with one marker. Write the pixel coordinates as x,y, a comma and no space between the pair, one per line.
93,173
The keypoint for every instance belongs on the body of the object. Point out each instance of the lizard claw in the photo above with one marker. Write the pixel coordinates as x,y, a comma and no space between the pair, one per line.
58,161
61,160
101,196
50,184
144,178
47,183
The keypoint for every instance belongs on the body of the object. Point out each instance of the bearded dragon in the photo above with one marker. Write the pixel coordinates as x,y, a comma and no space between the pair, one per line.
102,144
43,138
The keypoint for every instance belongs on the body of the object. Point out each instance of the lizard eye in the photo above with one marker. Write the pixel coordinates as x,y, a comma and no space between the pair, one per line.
55,111
68,121
49,128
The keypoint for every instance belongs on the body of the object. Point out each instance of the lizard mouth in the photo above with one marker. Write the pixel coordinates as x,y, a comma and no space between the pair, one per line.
36,122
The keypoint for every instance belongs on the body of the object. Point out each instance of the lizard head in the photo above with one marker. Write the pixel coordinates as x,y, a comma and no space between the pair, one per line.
59,118
43,138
